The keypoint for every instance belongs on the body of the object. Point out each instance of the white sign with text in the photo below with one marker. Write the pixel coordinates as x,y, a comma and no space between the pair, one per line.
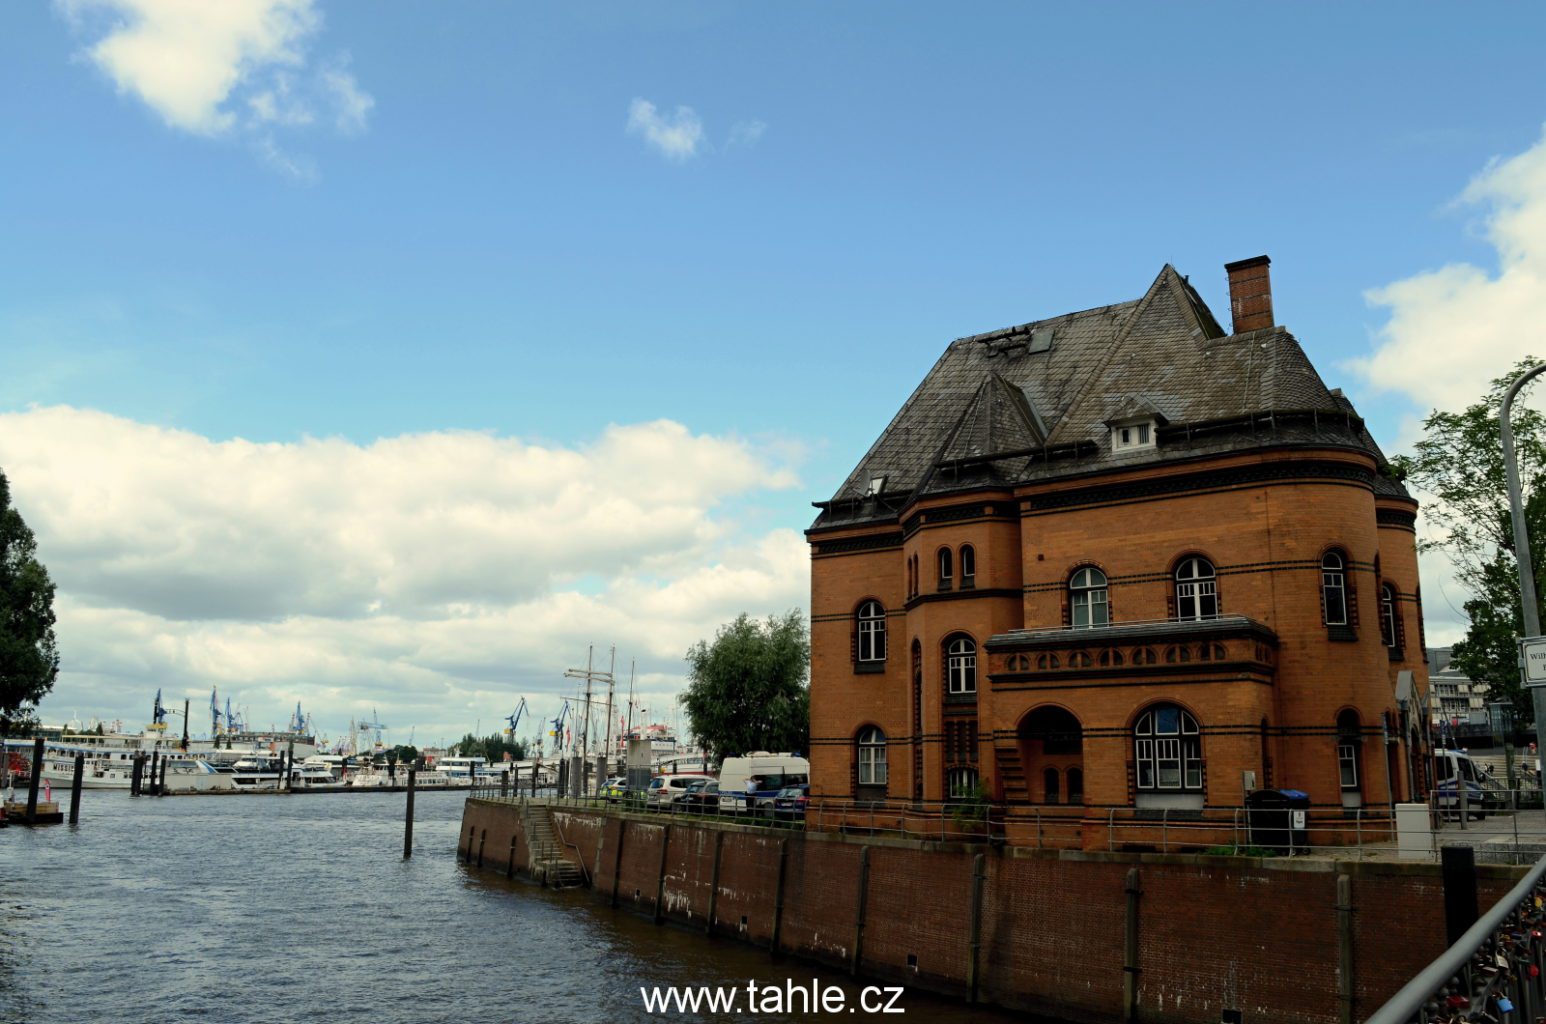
1532,653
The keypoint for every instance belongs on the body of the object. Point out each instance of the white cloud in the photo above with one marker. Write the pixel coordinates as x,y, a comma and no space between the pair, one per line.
436,576
677,137
1453,329
231,67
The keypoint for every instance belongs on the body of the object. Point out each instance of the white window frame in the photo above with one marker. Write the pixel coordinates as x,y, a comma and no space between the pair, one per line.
968,565
961,667
1333,586
1347,762
1388,615
1197,594
872,632
1169,761
872,757
944,563
961,783
1088,600
1134,435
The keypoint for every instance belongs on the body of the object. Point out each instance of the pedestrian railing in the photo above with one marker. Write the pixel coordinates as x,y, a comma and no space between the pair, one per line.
1493,973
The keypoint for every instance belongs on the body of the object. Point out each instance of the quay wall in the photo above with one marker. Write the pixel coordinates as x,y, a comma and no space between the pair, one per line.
1214,933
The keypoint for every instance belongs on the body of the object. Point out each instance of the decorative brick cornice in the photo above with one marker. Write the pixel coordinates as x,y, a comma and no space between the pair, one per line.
852,545
987,508
1286,471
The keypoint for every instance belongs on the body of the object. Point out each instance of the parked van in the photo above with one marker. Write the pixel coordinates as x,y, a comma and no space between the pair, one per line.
666,788
747,785
1453,769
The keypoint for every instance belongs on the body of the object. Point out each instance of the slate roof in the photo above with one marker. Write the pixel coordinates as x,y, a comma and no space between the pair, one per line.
1034,402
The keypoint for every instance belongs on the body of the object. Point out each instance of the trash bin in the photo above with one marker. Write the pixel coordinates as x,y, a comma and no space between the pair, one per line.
1279,819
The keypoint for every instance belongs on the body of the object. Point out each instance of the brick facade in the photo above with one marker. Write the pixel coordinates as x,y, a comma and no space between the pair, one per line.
1282,694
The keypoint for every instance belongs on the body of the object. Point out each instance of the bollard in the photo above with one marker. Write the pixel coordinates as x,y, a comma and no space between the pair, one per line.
408,820
75,789
32,783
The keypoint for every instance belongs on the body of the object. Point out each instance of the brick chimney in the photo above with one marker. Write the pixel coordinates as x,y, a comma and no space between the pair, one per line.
1250,294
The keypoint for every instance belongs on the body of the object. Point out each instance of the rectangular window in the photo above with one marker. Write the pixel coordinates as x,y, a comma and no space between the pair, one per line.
1347,762
1089,609
872,765
1335,598
1197,600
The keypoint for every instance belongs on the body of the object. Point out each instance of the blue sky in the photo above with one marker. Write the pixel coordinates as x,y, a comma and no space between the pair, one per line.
486,246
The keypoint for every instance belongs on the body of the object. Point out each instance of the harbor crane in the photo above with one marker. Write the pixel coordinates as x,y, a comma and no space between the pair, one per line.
214,713
514,718
158,713
558,729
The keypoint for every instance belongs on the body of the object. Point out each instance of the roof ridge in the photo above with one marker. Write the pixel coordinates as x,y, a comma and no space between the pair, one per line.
1032,324
1099,369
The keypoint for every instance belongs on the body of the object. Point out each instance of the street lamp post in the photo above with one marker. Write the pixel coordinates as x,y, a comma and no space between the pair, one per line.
1532,613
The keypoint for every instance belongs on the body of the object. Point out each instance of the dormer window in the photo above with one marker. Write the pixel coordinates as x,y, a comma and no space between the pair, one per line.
1132,436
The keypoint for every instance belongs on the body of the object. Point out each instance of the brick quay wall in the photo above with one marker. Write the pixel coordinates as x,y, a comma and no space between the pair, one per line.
1038,930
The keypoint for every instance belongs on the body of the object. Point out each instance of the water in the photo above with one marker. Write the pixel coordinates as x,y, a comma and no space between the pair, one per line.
301,910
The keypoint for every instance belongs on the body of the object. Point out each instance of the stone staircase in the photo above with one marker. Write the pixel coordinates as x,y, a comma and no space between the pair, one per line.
546,860
1011,772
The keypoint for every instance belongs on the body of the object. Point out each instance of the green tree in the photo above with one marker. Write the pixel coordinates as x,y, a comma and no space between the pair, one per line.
493,747
29,657
747,690
1459,461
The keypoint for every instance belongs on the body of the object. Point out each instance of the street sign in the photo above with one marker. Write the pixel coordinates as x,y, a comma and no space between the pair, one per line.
1532,655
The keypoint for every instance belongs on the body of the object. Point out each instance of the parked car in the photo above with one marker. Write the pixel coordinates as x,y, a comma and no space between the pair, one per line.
747,785
615,788
701,797
790,803
666,788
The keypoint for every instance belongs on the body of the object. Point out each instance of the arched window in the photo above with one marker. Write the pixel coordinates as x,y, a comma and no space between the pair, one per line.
945,571
1348,741
1197,595
961,783
872,757
1334,589
1075,778
1049,782
1087,598
968,567
961,667
911,588
872,632
1167,747
1388,630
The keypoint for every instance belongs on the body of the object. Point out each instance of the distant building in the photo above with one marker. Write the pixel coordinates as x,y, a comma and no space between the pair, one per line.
1120,558
1457,700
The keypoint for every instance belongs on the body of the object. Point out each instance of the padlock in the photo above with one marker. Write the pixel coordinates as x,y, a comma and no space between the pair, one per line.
1505,1005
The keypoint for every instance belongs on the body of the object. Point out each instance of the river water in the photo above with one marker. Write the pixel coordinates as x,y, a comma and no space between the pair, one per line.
301,910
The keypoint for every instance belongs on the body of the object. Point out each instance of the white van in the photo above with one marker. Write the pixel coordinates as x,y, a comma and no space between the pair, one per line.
666,788
749,784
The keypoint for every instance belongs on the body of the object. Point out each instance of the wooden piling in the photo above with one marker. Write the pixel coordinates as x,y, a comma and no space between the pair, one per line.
161,786
408,819
1130,949
536,770
155,763
660,884
974,954
719,850
32,783
778,900
75,789
135,771
861,903
504,784
1346,993
617,860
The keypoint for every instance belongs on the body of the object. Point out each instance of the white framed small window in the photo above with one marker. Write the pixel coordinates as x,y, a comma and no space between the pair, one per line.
961,783
872,632
1131,436
872,757
961,667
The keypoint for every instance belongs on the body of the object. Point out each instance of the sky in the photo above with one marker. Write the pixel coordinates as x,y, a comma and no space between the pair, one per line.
386,357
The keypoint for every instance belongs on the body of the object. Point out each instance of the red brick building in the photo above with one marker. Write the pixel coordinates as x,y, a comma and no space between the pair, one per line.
1120,558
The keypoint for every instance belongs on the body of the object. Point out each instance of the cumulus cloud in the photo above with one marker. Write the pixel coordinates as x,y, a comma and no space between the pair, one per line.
234,67
1452,329
436,576
677,137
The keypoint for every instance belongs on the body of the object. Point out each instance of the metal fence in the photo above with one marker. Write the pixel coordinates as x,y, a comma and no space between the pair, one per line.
1493,973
